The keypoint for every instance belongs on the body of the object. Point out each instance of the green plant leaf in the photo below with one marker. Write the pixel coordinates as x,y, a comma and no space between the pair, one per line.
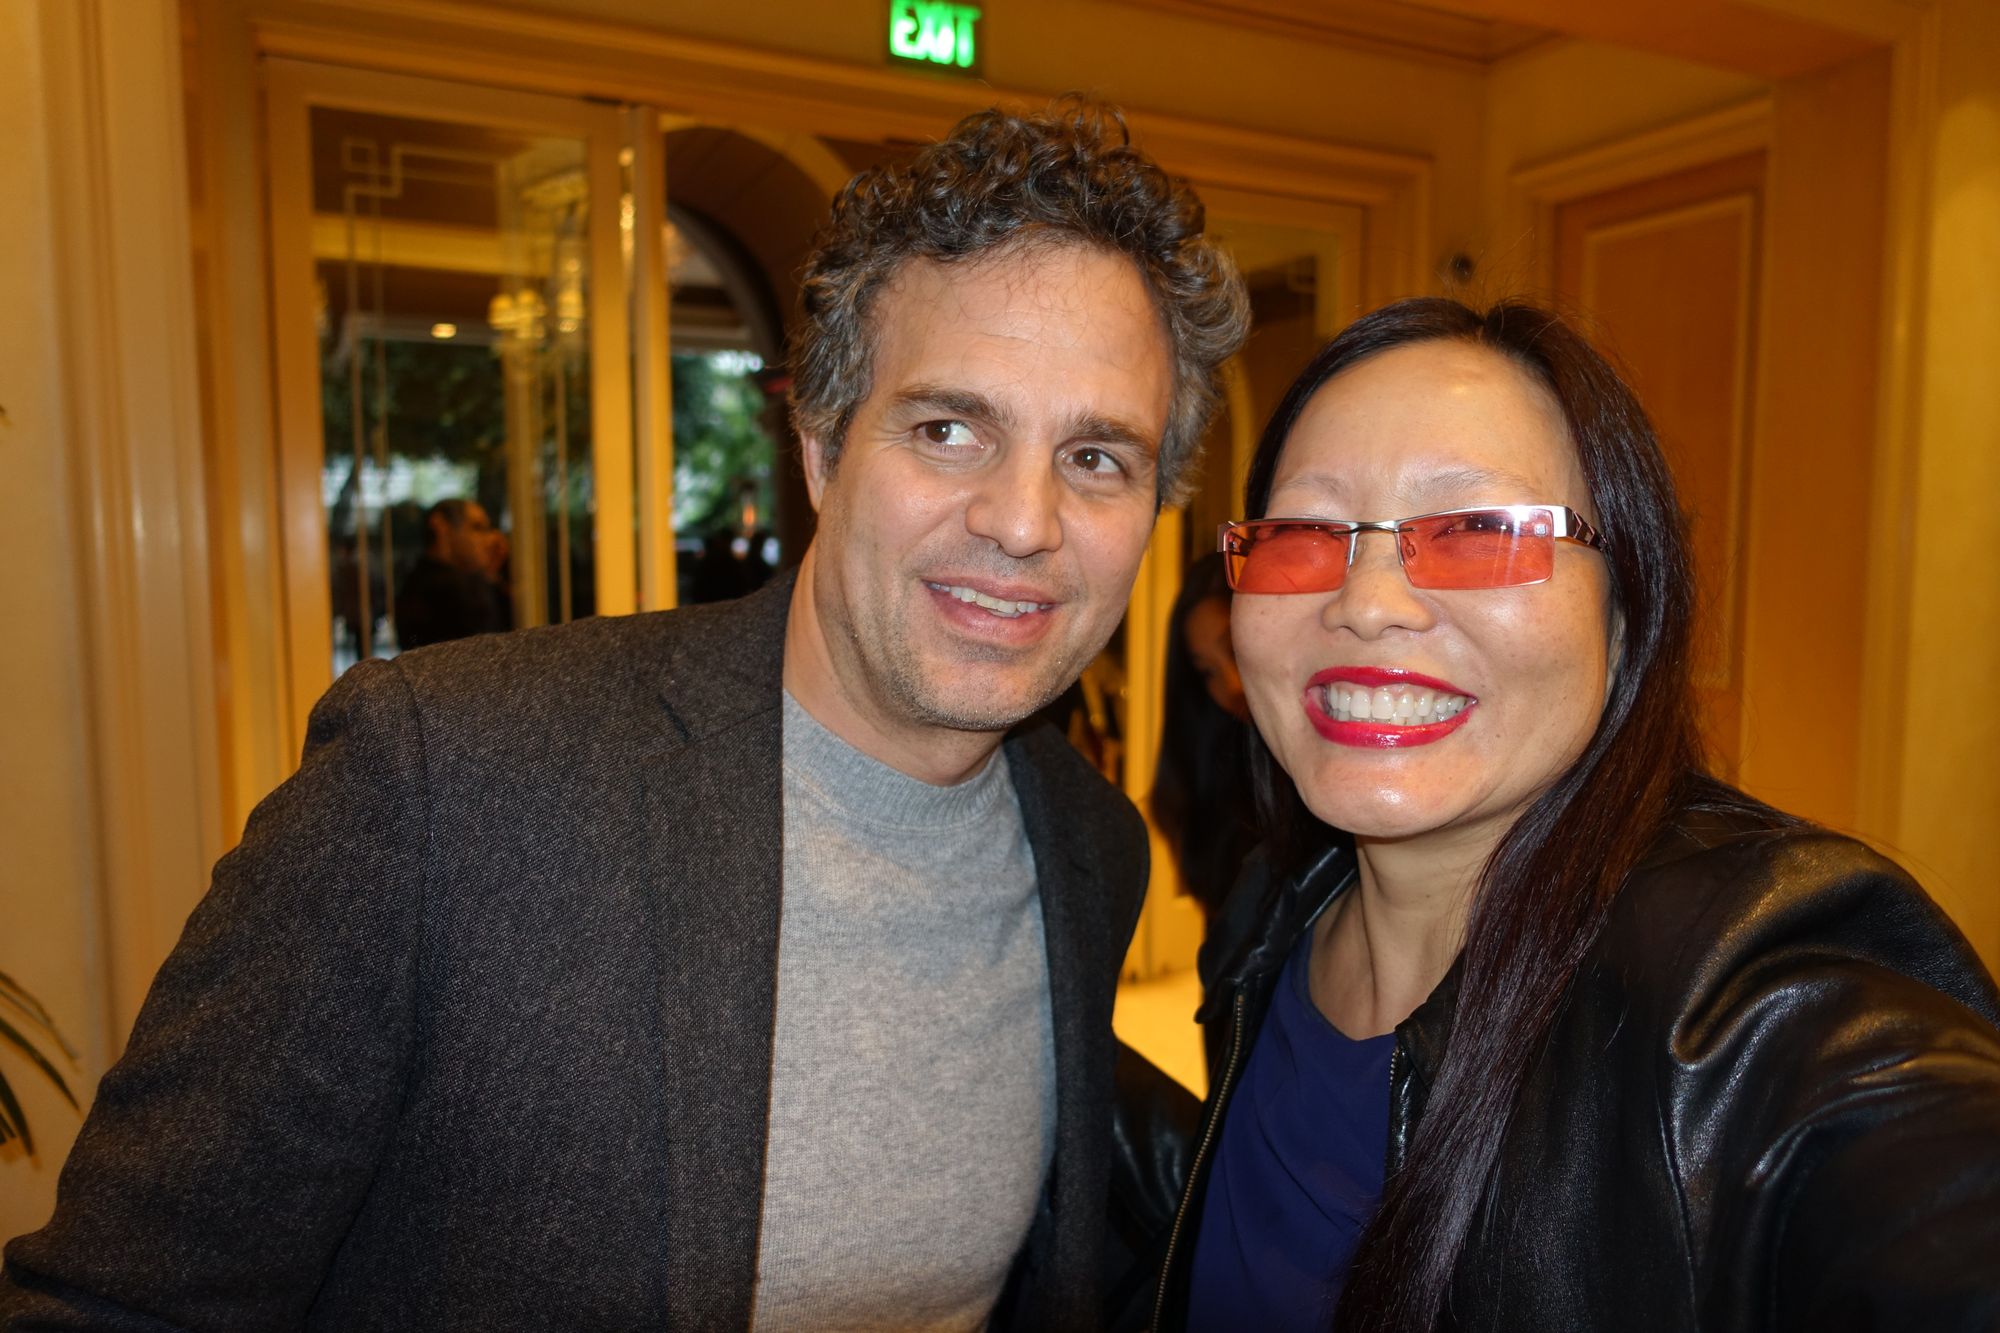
13,1034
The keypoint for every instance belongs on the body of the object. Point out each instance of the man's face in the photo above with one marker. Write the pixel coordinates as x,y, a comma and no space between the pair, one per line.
469,544
982,524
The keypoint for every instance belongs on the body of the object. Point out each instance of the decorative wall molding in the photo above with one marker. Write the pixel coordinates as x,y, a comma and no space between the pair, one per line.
125,299
731,84
1536,191
1409,31
1913,131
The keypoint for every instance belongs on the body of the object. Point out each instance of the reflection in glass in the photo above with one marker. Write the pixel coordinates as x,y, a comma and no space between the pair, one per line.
723,454
728,414
453,276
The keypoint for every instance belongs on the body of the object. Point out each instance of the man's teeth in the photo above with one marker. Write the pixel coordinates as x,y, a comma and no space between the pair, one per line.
999,606
1398,705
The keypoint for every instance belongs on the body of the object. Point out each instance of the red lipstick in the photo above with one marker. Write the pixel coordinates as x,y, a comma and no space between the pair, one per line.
1380,735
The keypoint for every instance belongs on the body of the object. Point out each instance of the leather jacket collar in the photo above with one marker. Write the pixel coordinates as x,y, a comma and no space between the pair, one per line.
1240,964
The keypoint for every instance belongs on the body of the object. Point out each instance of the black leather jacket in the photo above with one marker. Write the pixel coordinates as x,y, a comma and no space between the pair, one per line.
1771,1101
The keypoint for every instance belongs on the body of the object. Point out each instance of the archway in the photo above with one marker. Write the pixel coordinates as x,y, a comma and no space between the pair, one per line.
743,209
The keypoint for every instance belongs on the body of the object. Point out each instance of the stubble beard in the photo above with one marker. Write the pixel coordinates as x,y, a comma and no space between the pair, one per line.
921,690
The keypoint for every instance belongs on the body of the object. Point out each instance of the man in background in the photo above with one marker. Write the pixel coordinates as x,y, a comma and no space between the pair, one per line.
450,592
730,966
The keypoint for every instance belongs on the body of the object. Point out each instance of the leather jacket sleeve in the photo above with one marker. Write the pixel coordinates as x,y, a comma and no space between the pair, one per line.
1152,1141
1834,1096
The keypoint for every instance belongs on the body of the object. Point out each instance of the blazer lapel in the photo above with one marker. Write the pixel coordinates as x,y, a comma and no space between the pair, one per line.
714,828
1076,924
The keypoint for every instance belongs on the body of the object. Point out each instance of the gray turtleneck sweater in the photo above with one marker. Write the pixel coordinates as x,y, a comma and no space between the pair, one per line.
913,1079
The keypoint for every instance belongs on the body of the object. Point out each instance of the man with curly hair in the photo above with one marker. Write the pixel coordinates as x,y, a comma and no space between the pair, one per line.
734,966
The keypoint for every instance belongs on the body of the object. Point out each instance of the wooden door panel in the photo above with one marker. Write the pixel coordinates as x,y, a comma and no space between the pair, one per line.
1666,272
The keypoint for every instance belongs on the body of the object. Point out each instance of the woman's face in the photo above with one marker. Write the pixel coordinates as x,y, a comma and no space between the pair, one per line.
1414,430
1206,630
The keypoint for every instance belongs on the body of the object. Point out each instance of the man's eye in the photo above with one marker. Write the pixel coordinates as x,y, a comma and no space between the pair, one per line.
950,434
1090,458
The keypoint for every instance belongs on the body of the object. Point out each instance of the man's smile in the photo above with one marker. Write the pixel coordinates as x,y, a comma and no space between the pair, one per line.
999,606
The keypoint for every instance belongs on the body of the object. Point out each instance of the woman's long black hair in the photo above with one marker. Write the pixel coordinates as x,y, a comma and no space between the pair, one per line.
1546,890
1201,799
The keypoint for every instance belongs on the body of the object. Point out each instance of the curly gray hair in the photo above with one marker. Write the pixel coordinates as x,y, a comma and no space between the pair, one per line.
1001,179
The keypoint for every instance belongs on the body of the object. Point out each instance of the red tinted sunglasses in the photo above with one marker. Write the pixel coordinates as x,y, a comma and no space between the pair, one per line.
1505,546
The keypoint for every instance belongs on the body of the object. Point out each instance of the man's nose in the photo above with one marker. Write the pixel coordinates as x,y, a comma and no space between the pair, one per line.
1018,506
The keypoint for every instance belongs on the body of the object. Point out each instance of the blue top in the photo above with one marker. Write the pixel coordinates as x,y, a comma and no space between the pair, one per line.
1298,1169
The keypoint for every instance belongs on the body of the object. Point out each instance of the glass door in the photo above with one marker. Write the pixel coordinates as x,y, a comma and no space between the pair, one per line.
454,361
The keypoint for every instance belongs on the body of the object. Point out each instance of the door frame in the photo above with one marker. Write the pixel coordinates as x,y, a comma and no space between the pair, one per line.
292,88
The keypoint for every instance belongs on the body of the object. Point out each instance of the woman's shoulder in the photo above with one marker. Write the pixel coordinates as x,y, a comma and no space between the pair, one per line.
1732,889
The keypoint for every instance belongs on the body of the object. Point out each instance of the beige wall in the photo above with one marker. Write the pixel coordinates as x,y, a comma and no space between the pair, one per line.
107,811
1815,414
1947,797
47,937
1560,98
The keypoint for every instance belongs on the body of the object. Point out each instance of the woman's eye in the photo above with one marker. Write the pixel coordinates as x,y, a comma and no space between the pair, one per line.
948,434
1486,523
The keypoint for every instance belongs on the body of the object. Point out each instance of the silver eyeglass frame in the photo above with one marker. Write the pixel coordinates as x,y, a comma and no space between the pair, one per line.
1569,526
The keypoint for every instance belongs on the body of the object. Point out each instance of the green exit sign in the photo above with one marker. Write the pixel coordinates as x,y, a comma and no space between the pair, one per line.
937,35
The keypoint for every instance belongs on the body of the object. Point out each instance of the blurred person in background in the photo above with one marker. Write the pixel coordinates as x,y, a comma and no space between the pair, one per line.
1201,797
499,569
451,591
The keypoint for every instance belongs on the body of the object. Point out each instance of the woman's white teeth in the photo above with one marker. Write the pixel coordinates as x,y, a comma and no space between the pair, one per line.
999,606
1403,705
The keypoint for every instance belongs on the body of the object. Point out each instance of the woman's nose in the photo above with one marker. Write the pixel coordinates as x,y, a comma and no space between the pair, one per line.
1377,597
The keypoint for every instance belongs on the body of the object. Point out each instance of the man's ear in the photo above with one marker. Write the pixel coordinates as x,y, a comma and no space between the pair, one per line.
816,468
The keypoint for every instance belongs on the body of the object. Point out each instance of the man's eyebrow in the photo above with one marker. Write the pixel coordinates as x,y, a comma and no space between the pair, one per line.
1110,430
951,403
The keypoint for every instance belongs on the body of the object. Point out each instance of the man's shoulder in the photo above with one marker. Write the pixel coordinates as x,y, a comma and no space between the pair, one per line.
580,663
560,683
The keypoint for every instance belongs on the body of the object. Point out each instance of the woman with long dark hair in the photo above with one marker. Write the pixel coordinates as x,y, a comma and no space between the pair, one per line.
1201,789
1530,1022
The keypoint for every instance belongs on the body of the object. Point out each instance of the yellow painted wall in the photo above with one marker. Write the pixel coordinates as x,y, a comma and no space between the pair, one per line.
1814,424
1949,789
47,898
107,743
